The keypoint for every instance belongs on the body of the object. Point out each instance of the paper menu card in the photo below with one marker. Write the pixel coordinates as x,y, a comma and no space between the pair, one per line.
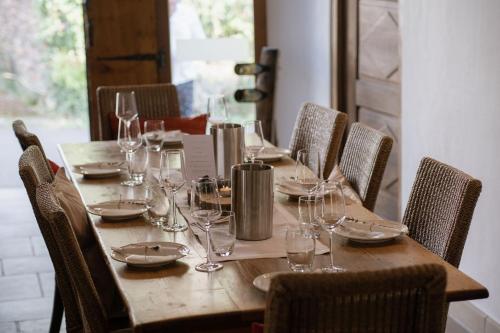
199,156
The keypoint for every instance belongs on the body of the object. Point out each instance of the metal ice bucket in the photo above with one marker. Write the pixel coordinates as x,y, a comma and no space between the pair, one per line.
252,199
229,147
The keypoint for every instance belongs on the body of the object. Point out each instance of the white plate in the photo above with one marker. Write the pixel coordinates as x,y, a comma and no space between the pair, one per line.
276,150
269,157
99,169
117,210
292,188
263,281
372,231
158,254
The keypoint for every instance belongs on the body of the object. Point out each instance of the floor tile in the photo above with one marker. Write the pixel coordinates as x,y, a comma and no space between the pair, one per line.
39,247
15,247
18,287
29,309
12,266
8,327
48,282
19,230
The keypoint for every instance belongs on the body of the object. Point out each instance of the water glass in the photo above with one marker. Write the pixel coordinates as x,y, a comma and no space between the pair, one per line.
310,207
139,165
126,106
254,139
157,205
153,132
223,235
299,250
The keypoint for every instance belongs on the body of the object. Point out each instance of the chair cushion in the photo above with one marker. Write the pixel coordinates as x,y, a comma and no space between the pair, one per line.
70,201
54,166
194,125
349,193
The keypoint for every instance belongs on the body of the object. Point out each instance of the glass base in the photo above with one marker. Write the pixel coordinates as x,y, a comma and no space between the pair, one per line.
131,183
333,269
208,267
174,228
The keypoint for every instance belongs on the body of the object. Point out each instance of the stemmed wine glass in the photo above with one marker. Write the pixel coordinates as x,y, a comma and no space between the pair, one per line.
205,208
216,111
332,215
172,177
254,139
153,132
129,140
126,106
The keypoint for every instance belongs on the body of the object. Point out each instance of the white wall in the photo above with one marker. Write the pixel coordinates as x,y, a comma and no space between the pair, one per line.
451,111
300,29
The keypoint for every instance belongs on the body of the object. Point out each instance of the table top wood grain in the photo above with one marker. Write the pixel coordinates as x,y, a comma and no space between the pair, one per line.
182,299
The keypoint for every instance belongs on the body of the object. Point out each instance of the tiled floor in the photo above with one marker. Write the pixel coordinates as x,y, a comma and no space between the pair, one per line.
26,273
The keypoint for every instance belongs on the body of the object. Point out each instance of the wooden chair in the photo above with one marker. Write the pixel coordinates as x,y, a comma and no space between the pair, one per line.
318,129
440,208
409,299
34,171
95,317
364,160
153,101
27,139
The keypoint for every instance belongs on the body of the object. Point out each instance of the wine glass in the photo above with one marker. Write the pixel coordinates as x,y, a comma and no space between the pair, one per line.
254,139
310,207
172,176
153,132
129,140
332,215
303,175
216,111
126,106
205,208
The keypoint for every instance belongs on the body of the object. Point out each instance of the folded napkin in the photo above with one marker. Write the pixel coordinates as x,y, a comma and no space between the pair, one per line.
149,259
119,211
294,188
385,226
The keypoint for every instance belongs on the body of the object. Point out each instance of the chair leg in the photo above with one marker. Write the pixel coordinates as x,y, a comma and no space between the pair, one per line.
57,312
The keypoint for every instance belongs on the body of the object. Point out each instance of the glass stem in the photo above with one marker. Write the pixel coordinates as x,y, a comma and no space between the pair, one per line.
128,155
174,211
207,233
331,250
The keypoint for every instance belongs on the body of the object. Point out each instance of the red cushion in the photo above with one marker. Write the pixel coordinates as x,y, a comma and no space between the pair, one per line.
54,166
195,125
257,328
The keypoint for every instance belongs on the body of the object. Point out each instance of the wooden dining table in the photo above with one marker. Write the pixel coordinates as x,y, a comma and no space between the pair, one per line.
178,298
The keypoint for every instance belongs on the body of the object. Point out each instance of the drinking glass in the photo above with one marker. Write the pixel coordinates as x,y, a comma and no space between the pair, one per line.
332,214
126,106
299,250
172,177
310,207
205,208
254,139
156,204
223,234
303,175
153,132
216,111
139,164
129,140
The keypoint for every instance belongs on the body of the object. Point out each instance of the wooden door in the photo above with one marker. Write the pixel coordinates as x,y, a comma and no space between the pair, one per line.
126,43
368,76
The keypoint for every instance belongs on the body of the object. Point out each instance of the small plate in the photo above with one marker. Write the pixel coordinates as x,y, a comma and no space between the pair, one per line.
99,169
117,210
276,150
370,231
269,157
263,281
292,188
158,254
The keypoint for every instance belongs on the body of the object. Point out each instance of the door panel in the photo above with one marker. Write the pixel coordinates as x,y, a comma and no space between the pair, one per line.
126,43
378,93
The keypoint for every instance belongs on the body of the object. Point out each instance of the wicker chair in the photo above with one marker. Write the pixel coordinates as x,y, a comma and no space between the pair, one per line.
440,208
153,101
27,139
409,299
364,160
318,129
80,278
34,172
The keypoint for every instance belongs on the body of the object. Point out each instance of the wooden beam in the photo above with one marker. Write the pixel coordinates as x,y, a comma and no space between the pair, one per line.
259,26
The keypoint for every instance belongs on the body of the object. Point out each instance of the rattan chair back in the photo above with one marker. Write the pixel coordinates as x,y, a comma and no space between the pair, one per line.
53,214
34,172
364,160
440,208
319,130
154,101
402,300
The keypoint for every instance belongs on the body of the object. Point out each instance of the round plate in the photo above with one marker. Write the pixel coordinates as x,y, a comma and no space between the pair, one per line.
269,157
370,232
276,150
263,281
99,169
117,210
159,254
